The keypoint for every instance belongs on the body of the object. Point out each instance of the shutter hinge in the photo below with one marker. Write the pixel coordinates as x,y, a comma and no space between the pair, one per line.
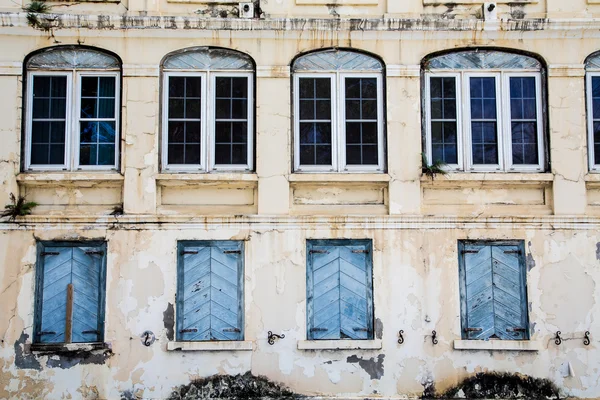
473,329
49,253
93,331
470,251
319,251
512,252
360,251
98,252
232,251
190,330
318,329
231,330
360,329
189,252
47,333
515,329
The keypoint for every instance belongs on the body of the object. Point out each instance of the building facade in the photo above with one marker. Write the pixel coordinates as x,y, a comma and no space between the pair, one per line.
203,180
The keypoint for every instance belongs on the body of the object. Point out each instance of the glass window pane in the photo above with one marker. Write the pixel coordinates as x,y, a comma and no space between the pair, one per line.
175,155
48,121
484,127
361,121
443,119
177,86
231,126
524,123
184,120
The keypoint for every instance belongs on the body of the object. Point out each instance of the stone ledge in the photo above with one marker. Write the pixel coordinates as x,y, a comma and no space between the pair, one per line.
339,177
245,345
502,345
339,344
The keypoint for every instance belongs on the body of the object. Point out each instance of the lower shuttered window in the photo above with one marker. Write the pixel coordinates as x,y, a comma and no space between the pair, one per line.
493,290
70,293
210,291
339,289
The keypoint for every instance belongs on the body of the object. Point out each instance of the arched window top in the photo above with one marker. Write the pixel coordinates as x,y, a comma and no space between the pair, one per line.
483,59
336,60
593,61
206,58
71,57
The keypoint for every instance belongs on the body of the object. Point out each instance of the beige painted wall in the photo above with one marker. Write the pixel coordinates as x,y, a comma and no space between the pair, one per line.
414,222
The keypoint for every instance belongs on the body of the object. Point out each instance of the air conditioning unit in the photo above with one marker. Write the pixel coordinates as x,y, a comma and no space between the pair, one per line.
490,11
246,10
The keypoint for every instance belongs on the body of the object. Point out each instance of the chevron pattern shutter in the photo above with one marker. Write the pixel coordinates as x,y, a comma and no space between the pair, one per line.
339,289
59,314
493,291
210,291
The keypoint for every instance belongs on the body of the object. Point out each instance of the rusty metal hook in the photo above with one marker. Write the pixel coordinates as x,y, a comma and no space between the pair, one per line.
400,337
272,336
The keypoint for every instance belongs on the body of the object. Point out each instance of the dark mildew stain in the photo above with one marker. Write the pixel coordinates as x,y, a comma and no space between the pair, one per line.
24,359
598,251
371,366
169,321
378,328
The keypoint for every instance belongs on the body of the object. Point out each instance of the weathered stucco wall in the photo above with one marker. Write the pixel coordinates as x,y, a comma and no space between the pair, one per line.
414,222
415,289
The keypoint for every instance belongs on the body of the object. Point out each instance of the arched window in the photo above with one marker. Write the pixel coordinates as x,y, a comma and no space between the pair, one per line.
592,69
338,112
208,110
72,109
484,111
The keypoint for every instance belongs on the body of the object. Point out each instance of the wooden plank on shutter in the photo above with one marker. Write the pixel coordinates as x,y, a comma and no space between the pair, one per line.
52,295
509,305
478,301
86,277
69,315
210,291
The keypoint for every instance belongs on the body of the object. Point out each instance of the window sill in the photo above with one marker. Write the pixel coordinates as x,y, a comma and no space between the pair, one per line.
182,179
68,347
492,177
339,177
592,176
75,178
341,344
210,346
507,345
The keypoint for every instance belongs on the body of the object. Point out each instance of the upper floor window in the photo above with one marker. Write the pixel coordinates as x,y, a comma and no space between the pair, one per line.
592,66
72,110
338,112
484,111
208,111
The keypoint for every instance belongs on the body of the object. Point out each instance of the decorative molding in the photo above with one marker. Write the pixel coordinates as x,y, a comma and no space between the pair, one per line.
140,70
259,222
404,71
566,70
11,68
273,71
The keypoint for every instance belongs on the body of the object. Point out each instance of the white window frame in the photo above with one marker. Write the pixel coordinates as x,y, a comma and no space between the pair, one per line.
208,123
590,74
338,126
72,116
463,114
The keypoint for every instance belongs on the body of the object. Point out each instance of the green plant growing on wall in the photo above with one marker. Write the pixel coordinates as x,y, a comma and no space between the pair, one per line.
435,168
34,19
19,207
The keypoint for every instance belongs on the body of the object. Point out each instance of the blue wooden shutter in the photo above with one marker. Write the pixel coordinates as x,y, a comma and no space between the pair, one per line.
493,291
82,267
339,289
210,291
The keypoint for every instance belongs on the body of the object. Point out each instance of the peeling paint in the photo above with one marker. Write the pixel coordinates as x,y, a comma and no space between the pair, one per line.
372,366
378,328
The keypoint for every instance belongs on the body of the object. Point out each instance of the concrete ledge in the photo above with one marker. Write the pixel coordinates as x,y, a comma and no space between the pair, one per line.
210,346
339,344
507,345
